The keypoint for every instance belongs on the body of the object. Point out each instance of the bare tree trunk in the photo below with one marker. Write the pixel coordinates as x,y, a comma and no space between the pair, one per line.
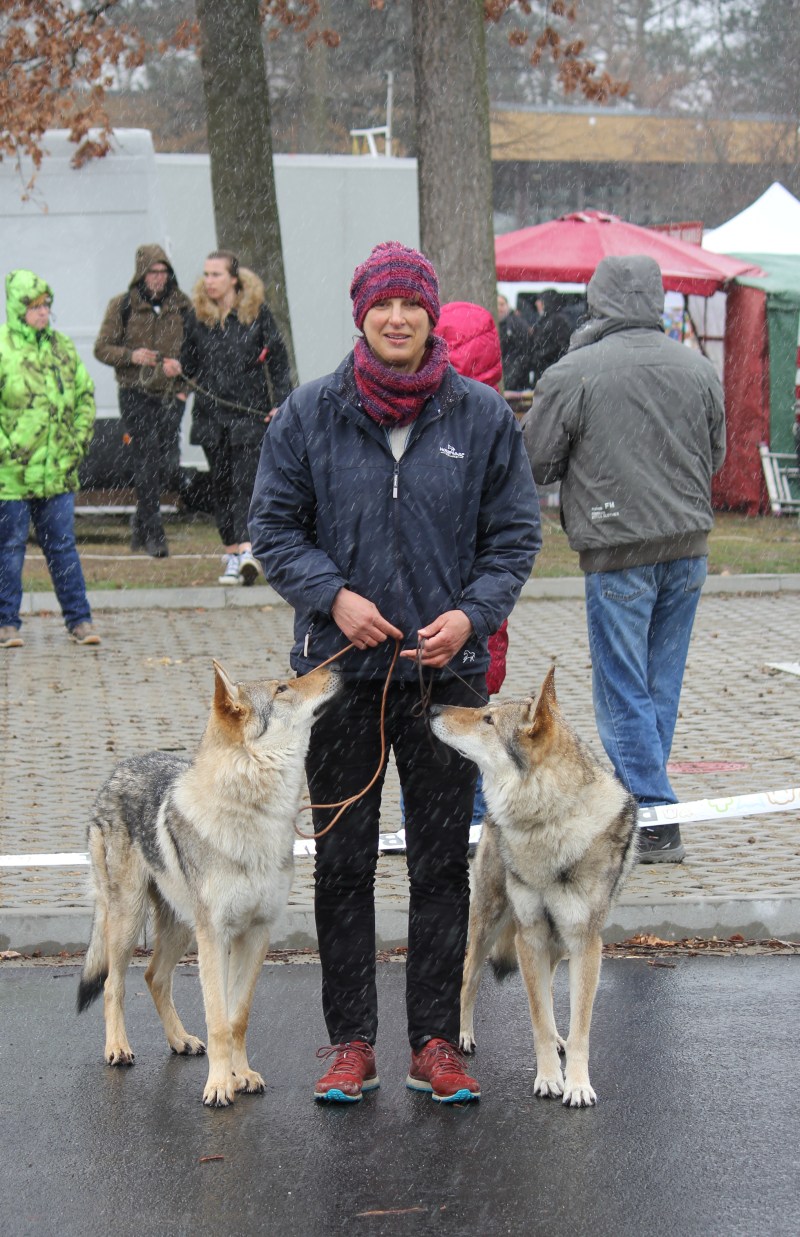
453,147
240,145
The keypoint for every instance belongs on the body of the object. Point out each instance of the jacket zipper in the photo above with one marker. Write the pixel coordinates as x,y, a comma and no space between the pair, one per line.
307,640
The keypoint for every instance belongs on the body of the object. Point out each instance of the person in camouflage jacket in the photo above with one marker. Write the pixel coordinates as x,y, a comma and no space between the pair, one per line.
47,415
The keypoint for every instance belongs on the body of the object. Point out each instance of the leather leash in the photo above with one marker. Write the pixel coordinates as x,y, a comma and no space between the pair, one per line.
421,709
343,804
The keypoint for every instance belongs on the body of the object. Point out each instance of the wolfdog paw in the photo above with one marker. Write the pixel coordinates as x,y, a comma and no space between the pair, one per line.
579,1095
119,1054
561,1045
466,1041
219,1094
188,1046
249,1082
549,1087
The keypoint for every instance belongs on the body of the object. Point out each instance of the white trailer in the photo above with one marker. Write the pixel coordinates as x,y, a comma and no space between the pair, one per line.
79,230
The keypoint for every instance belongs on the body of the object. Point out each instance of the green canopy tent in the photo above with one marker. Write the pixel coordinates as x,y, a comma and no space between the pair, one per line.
761,339
760,347
781,284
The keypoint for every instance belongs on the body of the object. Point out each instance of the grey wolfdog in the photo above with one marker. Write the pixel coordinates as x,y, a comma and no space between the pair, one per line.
557,843
210,843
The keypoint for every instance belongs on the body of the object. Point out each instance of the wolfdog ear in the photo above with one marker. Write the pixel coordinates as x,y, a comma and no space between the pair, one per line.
546,705
226,693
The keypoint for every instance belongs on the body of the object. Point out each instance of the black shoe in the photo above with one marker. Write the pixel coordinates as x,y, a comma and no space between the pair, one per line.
154,540
157,547
137,537
660,844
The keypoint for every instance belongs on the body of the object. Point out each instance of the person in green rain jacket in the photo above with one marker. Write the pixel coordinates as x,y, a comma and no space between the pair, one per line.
47,415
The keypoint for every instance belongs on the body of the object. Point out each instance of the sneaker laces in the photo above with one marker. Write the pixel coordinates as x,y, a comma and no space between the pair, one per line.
445,1054
358,1048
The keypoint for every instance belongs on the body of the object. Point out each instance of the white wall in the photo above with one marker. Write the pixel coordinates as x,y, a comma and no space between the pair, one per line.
332,210
81,228
79,231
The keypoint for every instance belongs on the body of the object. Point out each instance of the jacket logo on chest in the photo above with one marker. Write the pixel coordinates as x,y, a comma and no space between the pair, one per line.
451,452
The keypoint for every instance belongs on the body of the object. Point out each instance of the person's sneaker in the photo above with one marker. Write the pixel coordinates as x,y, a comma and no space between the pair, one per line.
155,543
84,633
438,1067
137,537
248,568
10,638
353,1071
231,573
660,844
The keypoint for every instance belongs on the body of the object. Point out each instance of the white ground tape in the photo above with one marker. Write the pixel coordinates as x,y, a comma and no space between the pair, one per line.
760,804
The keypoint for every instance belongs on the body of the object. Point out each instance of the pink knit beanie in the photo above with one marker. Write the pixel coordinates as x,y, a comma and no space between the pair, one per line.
392,270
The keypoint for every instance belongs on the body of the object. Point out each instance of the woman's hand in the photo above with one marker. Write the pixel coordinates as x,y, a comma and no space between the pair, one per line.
144,356
361,620
442,638
171,367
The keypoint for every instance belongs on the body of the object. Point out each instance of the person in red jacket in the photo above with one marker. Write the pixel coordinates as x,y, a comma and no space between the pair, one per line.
474,345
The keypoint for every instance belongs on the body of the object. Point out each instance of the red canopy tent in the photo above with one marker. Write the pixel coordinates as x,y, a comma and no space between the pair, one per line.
567,250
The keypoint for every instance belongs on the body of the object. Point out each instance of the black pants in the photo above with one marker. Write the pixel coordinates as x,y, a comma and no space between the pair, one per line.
233,468
153,425
438,789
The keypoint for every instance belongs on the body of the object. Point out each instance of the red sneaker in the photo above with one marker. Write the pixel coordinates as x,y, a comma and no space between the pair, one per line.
438,1067
353,1071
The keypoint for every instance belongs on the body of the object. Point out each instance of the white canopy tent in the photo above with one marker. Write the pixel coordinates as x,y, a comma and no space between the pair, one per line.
771,224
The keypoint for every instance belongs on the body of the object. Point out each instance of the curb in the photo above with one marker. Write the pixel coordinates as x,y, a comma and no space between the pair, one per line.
263,596
754,917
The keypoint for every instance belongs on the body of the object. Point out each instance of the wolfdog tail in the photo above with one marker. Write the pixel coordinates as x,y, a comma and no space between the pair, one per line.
95,967
503,957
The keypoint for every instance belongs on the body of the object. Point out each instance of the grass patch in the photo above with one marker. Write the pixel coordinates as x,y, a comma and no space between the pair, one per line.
738,545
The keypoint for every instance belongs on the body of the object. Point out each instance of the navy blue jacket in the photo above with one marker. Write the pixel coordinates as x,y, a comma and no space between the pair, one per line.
454,524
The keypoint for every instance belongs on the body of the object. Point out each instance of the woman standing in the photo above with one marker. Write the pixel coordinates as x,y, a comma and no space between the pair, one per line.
394,502
231,343
46,423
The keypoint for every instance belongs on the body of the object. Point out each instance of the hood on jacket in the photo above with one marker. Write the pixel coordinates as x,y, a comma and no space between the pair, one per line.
473,341
627,288
248,302
147,256
22,287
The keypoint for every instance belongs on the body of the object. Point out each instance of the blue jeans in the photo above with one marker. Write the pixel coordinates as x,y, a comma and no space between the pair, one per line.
640,622
54,521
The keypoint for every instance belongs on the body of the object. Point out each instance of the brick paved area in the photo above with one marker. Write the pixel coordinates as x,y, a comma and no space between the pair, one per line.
68,713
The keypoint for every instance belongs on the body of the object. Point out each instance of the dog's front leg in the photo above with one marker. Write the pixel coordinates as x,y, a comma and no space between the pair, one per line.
247,959
534,961
584,972
212,955
489,916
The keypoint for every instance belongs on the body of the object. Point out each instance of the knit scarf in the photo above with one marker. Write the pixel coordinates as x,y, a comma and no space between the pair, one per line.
391,397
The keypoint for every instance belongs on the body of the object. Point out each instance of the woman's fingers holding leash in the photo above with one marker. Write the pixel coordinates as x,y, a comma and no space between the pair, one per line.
441,639
361,620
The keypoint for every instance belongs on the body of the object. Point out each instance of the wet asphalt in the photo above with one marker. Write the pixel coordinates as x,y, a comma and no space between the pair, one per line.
696,1130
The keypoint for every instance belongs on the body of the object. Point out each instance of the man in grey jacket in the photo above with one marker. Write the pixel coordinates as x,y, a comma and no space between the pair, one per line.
633,426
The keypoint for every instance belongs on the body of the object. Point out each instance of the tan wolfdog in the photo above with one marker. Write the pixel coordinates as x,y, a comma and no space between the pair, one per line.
556,845
210,842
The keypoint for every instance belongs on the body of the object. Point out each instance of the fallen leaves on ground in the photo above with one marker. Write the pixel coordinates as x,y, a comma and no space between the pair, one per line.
644,945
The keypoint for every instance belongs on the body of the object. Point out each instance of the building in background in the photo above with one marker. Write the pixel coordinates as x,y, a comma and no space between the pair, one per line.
645,167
